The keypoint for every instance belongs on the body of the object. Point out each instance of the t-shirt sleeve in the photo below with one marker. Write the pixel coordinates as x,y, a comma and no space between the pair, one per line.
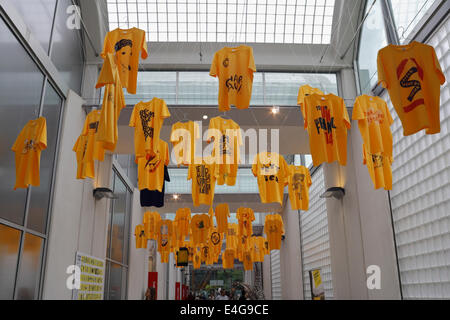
308,178
251,60
437,67
345,117
106,74
388,114
75,146
214,70
107,48
252,215
42,138
357,113
19,138
133,118
167,157
255,166
144,50
305,112
382,79
164,110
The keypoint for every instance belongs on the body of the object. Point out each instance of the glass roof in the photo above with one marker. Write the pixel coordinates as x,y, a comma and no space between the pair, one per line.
244,21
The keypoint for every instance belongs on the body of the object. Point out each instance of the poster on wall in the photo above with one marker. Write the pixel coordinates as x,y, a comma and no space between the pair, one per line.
316,285
92,276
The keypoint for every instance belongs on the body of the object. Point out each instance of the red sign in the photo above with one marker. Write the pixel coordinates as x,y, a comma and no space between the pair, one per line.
153,282
177,291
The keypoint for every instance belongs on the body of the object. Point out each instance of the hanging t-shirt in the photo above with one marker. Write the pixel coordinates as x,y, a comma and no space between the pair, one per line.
234,67
197,259
228,259
222,213
257,248
113,103
299,182
227,138
183,136
272,172
27,147
412,75
273,228
327,122
183,219
94,149
141,238
85,167
151,171
203,182
374,121
248,262
379,166
232,236
200,225
215,241
151,220
154,198
245,217
126,44
147,119
165,230
303,92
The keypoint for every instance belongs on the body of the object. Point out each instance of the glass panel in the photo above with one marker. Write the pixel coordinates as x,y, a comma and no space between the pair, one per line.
407,14
20,92
40,196
154,84
30,268
257,90
9,251
282,88
197,88
373,38
38,16
114,289
118,221
67,53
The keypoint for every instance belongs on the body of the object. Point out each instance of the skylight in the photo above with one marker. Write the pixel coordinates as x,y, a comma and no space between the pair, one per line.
243,21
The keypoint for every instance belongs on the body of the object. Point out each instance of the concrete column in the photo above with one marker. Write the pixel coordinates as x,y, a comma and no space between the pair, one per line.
267,278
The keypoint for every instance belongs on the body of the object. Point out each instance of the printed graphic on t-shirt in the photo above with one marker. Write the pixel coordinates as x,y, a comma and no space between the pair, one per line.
234,83
203,179
28,145
374,116
124,47
94,126
405,75
225,146
146,117
215,238
297,184
377,161
326,123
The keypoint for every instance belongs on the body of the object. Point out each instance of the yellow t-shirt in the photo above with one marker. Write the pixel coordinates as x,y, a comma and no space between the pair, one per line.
197,259
151,220
215,241
222,213
183,219
200,225
183,138
234,67
165,256
271,170
227,138
141,238
147,119
257,248
412,75
232,236
203,182
374,121
151,172
113,103
228,259
248,261
379,166
164,228
303,92
327,122
126,44
245,217
27,147
94,149
273,228
299,182
85,167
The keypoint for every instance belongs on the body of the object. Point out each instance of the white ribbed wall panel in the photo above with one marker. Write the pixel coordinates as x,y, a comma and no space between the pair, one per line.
315,238
421,195
275,267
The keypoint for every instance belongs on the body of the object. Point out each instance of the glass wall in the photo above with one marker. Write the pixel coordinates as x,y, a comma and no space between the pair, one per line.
118,242
373,38
23,212
199,88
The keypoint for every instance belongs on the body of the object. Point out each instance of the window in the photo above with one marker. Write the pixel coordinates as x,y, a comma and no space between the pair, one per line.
373,38
118,242
262,21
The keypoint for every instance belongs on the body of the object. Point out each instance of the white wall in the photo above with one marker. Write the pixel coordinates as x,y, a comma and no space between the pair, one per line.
267,281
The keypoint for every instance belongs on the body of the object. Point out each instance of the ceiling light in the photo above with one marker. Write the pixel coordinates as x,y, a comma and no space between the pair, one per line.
275,109
175,196
336,192
205,117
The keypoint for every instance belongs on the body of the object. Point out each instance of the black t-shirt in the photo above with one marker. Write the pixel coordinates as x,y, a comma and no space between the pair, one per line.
154,198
